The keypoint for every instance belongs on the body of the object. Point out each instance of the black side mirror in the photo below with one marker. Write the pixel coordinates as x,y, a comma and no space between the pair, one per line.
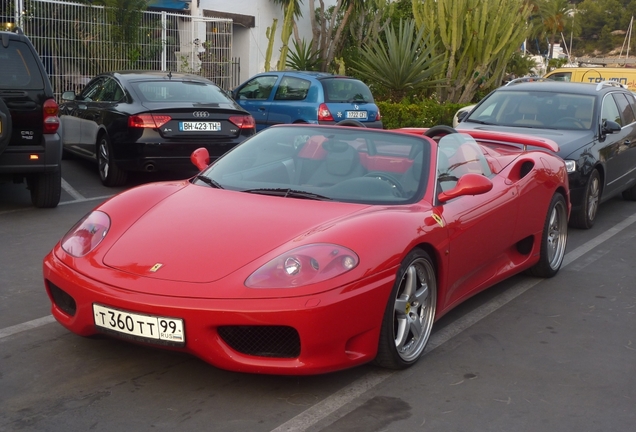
610,127
462,115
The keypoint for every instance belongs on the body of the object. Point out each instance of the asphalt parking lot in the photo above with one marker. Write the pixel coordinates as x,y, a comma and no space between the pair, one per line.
526,355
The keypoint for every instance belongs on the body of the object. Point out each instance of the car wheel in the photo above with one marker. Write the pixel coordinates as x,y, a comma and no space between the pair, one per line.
585,217
409,314
5,126
110,174
553,239
45,188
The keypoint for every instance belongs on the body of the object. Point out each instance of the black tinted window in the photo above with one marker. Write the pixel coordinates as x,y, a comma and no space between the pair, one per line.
19,67
180,91
627,114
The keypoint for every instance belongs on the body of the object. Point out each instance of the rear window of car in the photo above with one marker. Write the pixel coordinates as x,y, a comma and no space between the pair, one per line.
180,91
19,68
346,90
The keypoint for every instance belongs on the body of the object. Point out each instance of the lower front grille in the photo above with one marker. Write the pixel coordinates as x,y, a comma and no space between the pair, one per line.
262,341
62,299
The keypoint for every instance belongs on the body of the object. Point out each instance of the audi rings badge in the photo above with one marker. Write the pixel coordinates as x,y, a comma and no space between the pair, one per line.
201,114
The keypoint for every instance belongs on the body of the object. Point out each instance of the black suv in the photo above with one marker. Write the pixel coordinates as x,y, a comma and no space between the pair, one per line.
30,145
593,124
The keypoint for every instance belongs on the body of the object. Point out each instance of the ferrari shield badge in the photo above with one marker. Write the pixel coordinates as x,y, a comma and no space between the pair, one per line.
156,267
438,219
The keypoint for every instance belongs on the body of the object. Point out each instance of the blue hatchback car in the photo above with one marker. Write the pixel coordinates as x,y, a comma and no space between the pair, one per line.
307,97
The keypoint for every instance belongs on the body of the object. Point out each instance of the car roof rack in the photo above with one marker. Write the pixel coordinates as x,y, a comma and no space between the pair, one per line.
526,79
609,84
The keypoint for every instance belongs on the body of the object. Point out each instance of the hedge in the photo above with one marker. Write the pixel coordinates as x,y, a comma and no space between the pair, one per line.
426,113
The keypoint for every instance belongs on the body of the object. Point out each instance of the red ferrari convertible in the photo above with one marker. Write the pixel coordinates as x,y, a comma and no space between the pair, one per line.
309,249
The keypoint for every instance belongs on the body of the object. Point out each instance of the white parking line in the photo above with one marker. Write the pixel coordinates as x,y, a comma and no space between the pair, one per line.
71,191
8,331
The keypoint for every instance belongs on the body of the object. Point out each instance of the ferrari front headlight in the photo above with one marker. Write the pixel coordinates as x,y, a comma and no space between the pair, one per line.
86,234
304,265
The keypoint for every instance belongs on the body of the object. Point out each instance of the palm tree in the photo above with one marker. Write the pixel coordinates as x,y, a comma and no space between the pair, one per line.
551,16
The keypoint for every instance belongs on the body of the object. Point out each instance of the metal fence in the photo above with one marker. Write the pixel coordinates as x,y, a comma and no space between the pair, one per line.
76,42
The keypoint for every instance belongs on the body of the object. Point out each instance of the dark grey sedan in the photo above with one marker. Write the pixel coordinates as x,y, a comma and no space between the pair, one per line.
593,124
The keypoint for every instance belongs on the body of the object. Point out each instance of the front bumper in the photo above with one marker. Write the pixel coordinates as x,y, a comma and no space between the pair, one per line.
336,329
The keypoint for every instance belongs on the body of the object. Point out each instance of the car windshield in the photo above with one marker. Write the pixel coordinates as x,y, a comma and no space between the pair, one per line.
346,90
332,163
535,109
180,91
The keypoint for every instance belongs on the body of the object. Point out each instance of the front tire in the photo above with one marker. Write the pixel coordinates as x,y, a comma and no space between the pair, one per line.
409,314
109,173
553,239
585,217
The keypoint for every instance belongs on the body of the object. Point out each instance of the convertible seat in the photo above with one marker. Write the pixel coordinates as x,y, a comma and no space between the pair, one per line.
341,163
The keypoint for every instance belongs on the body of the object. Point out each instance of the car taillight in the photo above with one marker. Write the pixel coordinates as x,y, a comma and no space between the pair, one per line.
378,117
148,120
51,122
323,113
243,122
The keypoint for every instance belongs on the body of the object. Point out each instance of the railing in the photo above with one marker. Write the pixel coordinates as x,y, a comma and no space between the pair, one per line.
75,42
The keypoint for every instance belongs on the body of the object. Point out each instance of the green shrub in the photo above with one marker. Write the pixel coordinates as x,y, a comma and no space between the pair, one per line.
426,113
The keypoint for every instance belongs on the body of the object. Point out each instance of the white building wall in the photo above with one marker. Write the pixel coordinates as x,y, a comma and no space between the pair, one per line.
250,44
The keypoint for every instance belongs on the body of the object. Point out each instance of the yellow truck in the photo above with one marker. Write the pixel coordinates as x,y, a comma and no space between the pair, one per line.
626,76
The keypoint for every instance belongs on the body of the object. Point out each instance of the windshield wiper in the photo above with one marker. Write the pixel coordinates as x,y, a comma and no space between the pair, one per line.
208,181
288,193
478,121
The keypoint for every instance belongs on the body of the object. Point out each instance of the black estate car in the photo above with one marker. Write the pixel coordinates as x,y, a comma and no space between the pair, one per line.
593,124
30,145
150,121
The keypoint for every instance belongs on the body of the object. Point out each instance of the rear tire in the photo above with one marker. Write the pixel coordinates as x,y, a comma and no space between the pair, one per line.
553,239
585,217
409,314
109,172
45,188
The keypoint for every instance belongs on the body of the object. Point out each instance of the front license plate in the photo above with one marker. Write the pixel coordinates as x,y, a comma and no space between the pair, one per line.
200,126
356,114
143,326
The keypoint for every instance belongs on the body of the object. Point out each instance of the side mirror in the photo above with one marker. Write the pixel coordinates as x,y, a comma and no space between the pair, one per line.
200,158
68,96
462,115
610,127
468,184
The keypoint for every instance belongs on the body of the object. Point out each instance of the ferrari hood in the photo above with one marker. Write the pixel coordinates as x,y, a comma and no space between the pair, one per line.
201,234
